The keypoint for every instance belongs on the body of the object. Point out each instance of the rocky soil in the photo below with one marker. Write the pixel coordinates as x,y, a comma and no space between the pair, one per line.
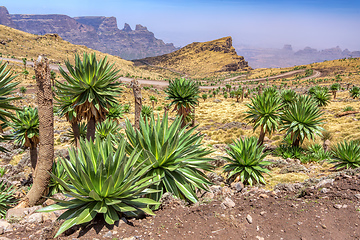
325,208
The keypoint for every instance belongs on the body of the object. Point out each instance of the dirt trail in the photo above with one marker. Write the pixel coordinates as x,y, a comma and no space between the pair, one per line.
164,84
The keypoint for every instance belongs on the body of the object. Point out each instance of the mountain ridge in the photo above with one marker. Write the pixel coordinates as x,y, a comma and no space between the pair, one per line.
200,59
97,32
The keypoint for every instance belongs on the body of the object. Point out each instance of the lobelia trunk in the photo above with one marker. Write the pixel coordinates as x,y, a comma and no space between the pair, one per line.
46,135
138,102
76,131
296,143
33,156
193,118
261,137
90,134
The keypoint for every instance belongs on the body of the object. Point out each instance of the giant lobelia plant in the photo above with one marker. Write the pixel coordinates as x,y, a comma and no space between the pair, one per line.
103,180
175,156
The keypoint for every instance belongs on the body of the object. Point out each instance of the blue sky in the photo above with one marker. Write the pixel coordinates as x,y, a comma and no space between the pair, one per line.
316,23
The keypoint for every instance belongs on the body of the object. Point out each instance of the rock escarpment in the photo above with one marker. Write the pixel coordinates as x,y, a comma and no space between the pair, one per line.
100,33
201,59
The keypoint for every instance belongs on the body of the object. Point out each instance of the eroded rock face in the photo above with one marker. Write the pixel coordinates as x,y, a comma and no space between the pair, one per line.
99,33
5,18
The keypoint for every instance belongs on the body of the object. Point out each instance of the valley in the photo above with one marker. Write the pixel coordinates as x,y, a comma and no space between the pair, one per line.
295,188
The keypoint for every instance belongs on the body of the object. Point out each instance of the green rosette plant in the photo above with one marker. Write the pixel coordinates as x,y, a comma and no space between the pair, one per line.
103,180
246,161
346,155
175,156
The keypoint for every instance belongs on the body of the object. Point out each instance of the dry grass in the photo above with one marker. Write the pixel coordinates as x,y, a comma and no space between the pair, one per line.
25,45
210,115
198,60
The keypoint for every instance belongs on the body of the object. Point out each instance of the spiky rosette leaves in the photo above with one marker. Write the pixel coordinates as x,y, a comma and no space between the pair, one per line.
103,180
26,127
264,112
7,199
184,94
7,88
175,155
288,96
346,155
246,161
91,84
302,119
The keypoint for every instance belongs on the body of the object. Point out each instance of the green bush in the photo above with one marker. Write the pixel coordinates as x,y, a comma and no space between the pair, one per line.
354,92
246,161
102,181
59,172
7,199
346,155
348,108
175,155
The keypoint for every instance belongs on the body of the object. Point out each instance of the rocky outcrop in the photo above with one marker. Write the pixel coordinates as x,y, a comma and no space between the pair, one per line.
217,56
96,32
5,18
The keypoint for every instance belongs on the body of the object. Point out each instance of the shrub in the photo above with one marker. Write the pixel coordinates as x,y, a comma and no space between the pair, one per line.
287,151
321,97
301,120
23,89
59,172
115,112
348,108
7,199
146,111
354,92
346,155
288,96
317,153
126,108
102,180
108,128
246,161
175,156
82,131
204,96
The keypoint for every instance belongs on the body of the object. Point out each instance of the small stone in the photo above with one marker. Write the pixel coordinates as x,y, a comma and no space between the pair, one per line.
129,238
259,238
324,182
227,203
249,219
323,226
239,186
5,225
337,206
262,213
35,218
324,190
209,195
109,234
357,196
344,206
226,191
263,195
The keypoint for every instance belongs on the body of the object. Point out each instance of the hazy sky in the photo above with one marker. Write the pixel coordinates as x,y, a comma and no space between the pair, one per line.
316,23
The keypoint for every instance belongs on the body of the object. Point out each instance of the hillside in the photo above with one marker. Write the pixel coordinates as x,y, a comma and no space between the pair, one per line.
17,45
200,59
96,32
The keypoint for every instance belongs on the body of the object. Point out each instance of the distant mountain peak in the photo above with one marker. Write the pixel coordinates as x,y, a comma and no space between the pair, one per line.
96,32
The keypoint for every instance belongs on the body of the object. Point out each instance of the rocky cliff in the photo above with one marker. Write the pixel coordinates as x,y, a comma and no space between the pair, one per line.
200,59
100,33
